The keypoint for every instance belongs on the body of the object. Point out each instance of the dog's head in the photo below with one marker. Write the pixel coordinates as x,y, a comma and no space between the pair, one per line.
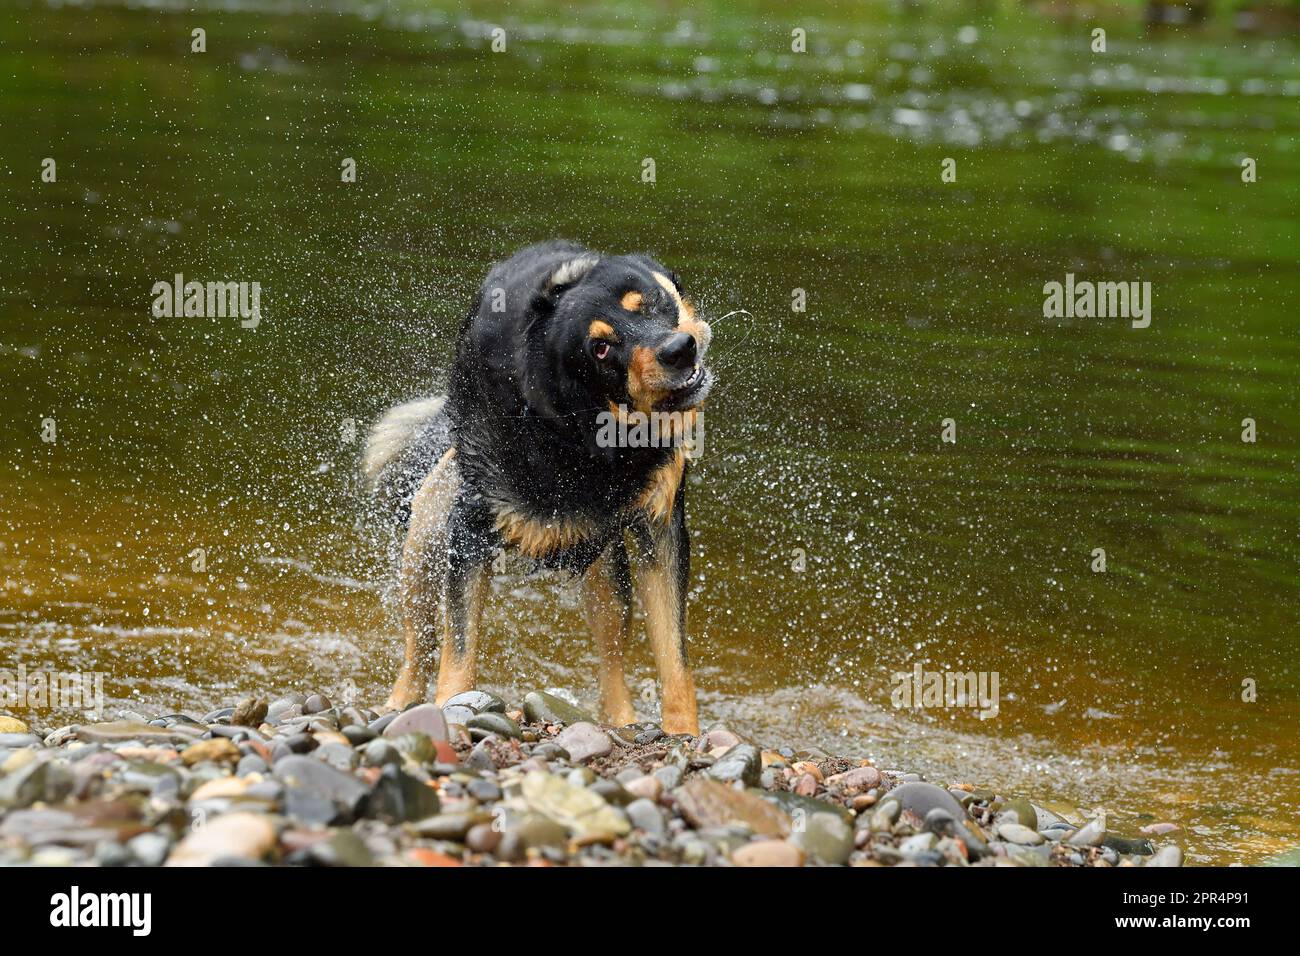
624,335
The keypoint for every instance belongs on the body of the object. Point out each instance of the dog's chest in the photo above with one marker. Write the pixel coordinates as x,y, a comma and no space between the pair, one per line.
584,515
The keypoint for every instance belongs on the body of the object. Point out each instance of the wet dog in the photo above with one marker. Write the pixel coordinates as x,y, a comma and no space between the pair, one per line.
515,457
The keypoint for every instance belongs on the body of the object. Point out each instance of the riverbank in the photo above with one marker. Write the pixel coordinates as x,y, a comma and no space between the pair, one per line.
483,781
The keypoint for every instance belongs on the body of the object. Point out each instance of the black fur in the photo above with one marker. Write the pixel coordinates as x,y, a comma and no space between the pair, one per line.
524,395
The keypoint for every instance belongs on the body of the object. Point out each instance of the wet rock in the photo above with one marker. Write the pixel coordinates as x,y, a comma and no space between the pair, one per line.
1090,835
450,826
543,708
341,848
1024,813
1022,835
644,786
580,811
800,807
645,815
917,845
358,734
380,753
245,836
826,838
856,780
920,798
1128,845
217,750
584,741
479,701
457,715
1167,856
315,792
483,790
489,723
707,803
399,797
149,849
421,719
249,712
338,755
12,725
121,731
530,832
39,781
741,762
768,853
482,838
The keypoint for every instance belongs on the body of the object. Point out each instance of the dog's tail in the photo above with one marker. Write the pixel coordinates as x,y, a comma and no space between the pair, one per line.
401,448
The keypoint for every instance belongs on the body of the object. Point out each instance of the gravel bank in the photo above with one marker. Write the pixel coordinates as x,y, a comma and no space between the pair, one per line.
481,782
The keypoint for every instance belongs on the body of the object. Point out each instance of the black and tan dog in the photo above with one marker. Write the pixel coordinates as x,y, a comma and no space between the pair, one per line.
510,458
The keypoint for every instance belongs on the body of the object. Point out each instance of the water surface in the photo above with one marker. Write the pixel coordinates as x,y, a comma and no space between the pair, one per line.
774,171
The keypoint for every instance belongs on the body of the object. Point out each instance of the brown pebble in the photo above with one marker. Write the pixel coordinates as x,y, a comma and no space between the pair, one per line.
481,838
768,853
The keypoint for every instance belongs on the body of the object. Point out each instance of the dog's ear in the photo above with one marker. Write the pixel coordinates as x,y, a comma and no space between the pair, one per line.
563,278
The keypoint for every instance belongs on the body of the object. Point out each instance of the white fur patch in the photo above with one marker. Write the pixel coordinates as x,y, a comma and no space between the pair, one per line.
394,433
573,270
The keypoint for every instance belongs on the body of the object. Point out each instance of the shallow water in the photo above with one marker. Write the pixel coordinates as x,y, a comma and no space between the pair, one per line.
774,171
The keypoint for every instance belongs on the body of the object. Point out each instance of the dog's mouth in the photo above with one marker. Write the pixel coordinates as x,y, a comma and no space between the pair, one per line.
689,393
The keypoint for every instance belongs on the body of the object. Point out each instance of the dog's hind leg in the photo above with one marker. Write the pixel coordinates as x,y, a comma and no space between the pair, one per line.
423,572
663,573
607,605
470,545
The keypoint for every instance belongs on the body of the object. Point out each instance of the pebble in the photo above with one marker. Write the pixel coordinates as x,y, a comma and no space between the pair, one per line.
921,798
247,836
543,708
478,701
741,763
249,712
584,741
706,803
424,719
825,838
1090,835
490,723
768,853
12,725
856,780
317,793
1167,856
645,815
1022,835
217,750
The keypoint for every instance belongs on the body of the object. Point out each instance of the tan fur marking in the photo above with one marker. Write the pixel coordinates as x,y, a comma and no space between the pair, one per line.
658,497
658,596
608,620
600,329
631,301
645,379
535,537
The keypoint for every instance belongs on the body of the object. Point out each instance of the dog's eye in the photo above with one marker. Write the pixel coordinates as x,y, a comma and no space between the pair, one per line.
601,351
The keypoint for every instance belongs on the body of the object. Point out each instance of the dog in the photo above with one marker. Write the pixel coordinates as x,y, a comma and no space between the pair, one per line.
558,340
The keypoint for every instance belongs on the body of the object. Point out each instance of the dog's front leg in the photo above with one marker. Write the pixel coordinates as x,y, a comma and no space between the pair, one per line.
470,543
607,605
663,573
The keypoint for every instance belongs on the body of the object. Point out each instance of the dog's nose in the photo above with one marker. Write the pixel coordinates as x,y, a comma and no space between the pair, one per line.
678,351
